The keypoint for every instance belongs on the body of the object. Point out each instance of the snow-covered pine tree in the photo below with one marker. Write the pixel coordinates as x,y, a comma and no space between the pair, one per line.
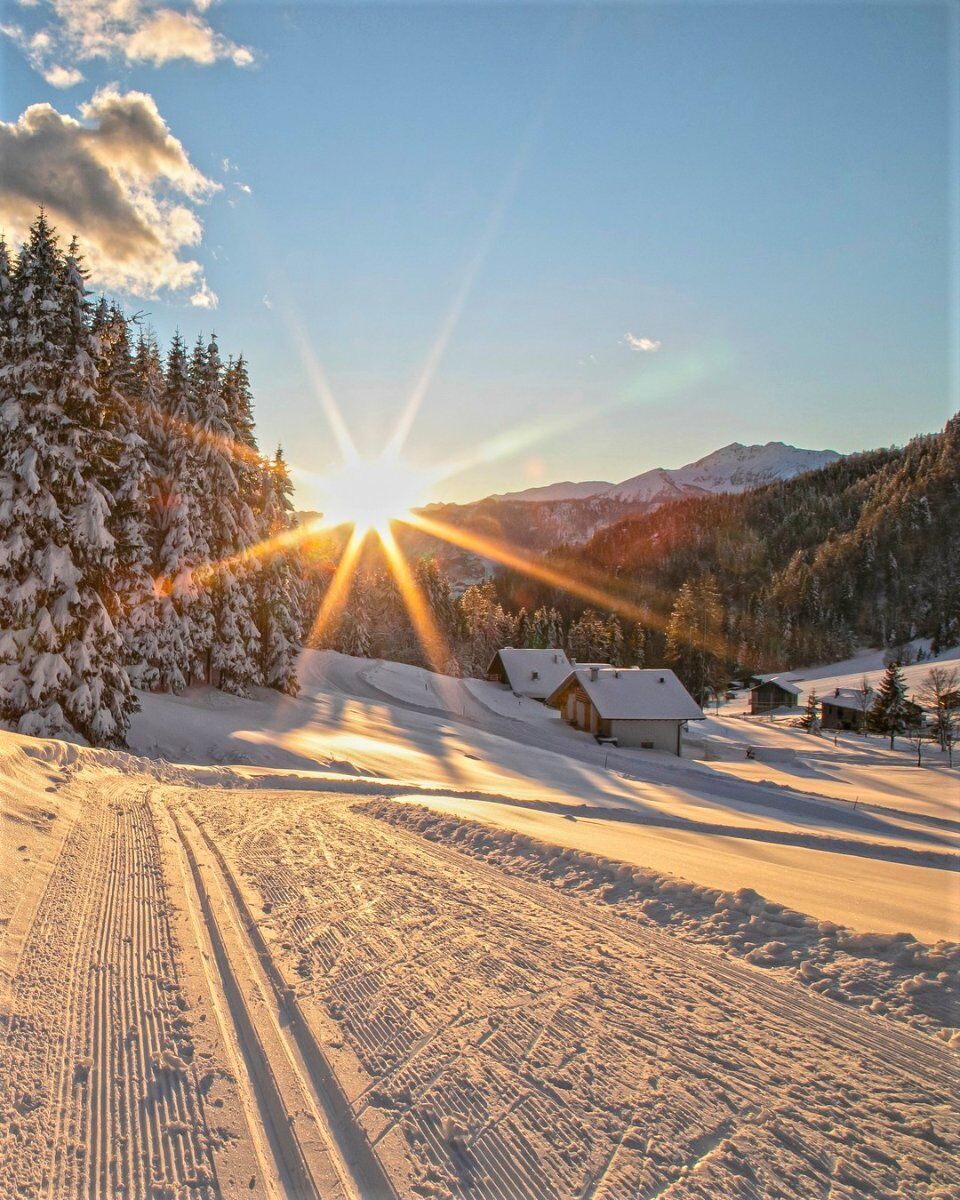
185,548
538,632
638,645
279,611
588,638
168,521
615,643
810,721
888,713
61,658
234,651
133,604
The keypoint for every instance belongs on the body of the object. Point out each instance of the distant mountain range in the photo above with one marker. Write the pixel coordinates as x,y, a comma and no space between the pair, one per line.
734,468
569,514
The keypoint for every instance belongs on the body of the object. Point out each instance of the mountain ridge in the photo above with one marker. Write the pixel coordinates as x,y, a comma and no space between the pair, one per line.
735,467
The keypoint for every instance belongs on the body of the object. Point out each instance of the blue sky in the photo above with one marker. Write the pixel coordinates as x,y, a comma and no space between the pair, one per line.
763,190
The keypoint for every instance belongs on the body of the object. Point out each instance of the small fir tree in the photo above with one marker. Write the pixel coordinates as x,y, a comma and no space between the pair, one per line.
888,713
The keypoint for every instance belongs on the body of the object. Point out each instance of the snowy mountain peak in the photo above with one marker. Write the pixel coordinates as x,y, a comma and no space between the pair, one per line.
733,468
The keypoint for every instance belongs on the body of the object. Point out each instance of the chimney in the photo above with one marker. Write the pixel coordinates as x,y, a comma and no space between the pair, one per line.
594,674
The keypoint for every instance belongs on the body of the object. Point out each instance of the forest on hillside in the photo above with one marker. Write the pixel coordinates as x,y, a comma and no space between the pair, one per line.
865,550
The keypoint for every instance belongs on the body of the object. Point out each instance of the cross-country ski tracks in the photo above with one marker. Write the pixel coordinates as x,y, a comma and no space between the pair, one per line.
99,1091
507,1041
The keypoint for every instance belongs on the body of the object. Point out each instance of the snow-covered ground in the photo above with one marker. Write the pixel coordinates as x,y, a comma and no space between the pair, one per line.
790,830
407,935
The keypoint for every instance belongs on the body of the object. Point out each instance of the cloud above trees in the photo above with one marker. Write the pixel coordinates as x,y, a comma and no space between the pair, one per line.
643,345
120,180
132,31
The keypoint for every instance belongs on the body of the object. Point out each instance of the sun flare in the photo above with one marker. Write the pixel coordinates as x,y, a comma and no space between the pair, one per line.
369,493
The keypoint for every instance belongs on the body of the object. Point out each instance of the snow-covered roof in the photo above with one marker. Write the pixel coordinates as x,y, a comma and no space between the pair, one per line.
634,694
786,684
533,672
848,698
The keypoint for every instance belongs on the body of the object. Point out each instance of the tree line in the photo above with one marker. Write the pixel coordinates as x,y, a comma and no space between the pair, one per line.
132,498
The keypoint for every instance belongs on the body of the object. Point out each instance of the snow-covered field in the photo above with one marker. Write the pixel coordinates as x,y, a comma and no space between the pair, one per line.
408,936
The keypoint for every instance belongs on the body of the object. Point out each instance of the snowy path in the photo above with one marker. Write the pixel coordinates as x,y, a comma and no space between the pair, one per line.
280,994
496,1039
103,1090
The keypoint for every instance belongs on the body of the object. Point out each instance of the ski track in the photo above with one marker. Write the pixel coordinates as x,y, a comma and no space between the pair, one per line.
499,1040
97,1095
402,1020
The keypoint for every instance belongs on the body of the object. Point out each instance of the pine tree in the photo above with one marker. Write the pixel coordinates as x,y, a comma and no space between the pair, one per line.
554,630
61,657
810,721
615,644
133,605
589,638
234,652
639,645
185,549
695,638
279,611
168,522
888,713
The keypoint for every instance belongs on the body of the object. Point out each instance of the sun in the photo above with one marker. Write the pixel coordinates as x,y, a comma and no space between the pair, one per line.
369,493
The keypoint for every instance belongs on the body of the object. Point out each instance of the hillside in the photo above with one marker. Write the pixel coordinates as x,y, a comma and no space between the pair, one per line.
866,549
570,514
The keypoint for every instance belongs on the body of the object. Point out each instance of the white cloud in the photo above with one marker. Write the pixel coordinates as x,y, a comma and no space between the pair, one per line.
643,345
245,188
120,180
267,302
134,31
204,296
62,77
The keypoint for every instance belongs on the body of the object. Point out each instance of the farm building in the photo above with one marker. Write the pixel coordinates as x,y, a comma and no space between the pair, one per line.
772,694
533,673
846,709
628,705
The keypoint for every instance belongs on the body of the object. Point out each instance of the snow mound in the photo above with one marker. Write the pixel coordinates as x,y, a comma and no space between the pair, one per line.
892,975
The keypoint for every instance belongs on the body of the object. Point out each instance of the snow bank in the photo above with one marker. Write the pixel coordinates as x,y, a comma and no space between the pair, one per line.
890,974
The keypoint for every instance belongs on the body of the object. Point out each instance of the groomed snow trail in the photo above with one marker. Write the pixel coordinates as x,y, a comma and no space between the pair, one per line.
496,1039
296,995
100,1092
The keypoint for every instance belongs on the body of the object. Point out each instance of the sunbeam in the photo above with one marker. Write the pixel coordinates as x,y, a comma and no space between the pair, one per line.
339,589
512,556
429,636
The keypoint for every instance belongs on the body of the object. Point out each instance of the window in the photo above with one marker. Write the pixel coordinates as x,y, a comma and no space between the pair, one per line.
534,674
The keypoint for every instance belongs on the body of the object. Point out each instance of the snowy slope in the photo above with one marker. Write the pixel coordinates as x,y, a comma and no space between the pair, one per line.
418,941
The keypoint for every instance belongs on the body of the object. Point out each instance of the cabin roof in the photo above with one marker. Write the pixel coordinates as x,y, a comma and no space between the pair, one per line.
633,694
785,685
520,663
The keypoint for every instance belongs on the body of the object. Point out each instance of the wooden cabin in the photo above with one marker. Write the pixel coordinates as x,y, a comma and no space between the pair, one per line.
527,672
773,694
628,706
